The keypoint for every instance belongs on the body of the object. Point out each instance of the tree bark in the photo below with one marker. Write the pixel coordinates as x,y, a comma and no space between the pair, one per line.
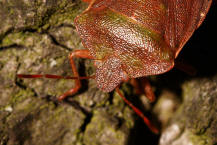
36,37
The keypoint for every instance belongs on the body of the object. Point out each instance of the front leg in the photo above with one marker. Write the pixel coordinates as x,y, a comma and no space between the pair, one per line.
85,53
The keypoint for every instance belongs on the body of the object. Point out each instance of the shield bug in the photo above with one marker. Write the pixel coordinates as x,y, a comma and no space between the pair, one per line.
131,39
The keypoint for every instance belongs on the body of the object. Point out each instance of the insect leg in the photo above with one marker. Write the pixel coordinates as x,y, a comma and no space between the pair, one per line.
138,112
147,89
143,86
76,54
136,85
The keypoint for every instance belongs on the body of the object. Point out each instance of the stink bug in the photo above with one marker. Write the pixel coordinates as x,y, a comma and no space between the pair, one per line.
131,39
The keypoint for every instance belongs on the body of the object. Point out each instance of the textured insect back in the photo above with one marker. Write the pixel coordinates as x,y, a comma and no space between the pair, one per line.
131,31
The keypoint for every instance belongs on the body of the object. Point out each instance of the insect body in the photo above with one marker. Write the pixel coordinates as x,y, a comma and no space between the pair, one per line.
133,38
137,37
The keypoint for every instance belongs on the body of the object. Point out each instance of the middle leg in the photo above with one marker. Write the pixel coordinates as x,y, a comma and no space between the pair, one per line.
142,86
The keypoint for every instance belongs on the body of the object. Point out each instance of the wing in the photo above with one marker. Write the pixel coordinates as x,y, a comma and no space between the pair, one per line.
183,18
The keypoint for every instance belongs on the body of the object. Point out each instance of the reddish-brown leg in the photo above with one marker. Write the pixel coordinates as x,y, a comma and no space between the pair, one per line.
138,112
148,89
75,54
136,86
143,86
